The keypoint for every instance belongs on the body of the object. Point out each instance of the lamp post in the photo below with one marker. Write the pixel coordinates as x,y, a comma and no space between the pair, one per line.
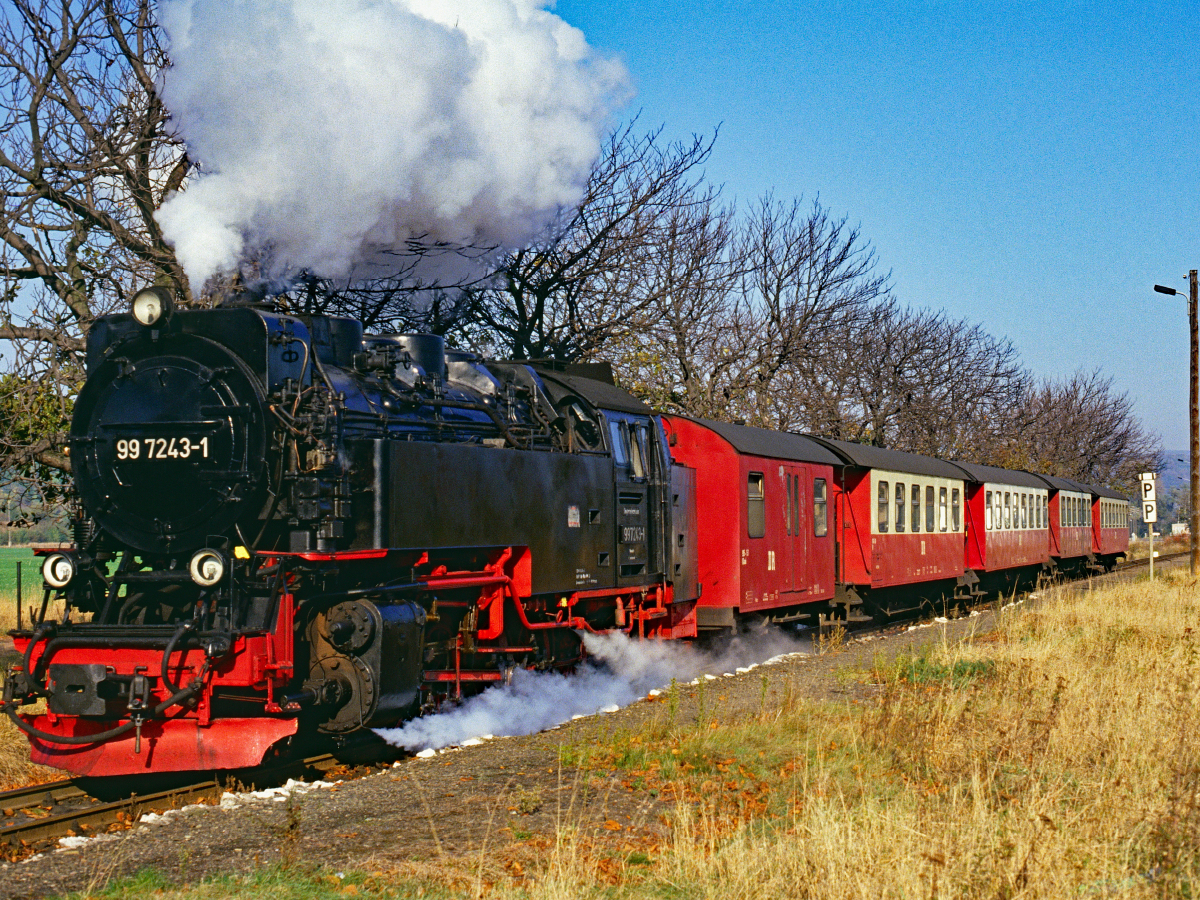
1193,418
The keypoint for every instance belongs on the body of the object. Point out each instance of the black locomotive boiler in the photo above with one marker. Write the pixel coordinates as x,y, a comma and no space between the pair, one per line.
288,528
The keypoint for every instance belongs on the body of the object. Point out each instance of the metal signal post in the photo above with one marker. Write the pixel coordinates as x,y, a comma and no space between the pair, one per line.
1193,416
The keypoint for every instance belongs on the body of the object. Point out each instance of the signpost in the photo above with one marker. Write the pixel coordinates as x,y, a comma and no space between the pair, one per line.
1149,511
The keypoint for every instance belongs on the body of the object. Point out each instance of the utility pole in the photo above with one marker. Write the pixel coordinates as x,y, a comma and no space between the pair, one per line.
1194,425
1193,416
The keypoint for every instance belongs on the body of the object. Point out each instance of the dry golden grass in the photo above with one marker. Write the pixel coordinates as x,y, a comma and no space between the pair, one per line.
1055,757
1139,548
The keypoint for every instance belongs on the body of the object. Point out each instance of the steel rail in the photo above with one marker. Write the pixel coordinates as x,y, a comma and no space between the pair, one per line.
52,792
93,819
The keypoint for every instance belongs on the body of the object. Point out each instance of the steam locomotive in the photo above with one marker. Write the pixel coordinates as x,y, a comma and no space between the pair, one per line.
291,531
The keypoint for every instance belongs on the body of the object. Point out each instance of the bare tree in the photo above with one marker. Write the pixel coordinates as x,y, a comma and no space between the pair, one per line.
1080,428
584,280
685,349
809,278
86,157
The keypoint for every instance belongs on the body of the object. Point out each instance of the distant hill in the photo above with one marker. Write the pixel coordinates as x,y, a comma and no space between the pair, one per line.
1176,468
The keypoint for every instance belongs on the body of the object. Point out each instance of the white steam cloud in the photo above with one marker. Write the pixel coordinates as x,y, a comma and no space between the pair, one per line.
620,671
332,133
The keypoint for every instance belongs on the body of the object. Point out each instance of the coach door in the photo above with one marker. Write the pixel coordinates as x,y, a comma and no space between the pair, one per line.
796,528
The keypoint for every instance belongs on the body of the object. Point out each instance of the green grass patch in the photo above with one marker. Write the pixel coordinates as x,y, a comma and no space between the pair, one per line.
924,669
276,882
30,571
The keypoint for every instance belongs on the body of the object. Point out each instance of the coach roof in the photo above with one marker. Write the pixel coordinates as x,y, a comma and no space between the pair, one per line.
996,475
1065,484
773,444
866,456
1101,491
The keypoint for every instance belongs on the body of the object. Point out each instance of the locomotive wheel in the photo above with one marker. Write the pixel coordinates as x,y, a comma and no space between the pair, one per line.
353,672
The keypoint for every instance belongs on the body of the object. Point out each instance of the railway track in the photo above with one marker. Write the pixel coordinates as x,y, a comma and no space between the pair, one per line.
35,818
1136,563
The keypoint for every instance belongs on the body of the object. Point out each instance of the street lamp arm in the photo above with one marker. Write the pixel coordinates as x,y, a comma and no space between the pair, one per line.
1193,411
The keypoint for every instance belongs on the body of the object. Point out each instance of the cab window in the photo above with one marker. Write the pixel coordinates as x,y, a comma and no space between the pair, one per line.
637,452
618,439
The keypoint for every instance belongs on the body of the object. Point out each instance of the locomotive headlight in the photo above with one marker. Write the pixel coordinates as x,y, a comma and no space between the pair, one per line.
207,567
58,570
151,305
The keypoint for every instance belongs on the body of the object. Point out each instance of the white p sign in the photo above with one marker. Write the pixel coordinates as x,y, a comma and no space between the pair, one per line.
1148,491
1149,512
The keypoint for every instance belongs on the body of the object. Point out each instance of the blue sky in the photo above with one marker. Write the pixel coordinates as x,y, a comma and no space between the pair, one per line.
1032,166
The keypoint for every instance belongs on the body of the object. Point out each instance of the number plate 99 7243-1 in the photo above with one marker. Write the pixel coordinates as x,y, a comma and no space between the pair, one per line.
162,448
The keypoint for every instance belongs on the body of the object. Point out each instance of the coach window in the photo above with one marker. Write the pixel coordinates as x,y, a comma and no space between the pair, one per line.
796,503
820,507
987,511
787,504
916,508
929,508
1007,510
955,511
901,499
884,503
756,508
943,510
1024,511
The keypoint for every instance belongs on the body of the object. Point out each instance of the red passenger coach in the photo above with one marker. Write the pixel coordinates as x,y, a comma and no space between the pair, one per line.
1070,523
1110,526
762,503
1008,524
901,530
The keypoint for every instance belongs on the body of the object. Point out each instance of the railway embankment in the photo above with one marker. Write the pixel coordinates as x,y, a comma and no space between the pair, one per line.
1043,750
